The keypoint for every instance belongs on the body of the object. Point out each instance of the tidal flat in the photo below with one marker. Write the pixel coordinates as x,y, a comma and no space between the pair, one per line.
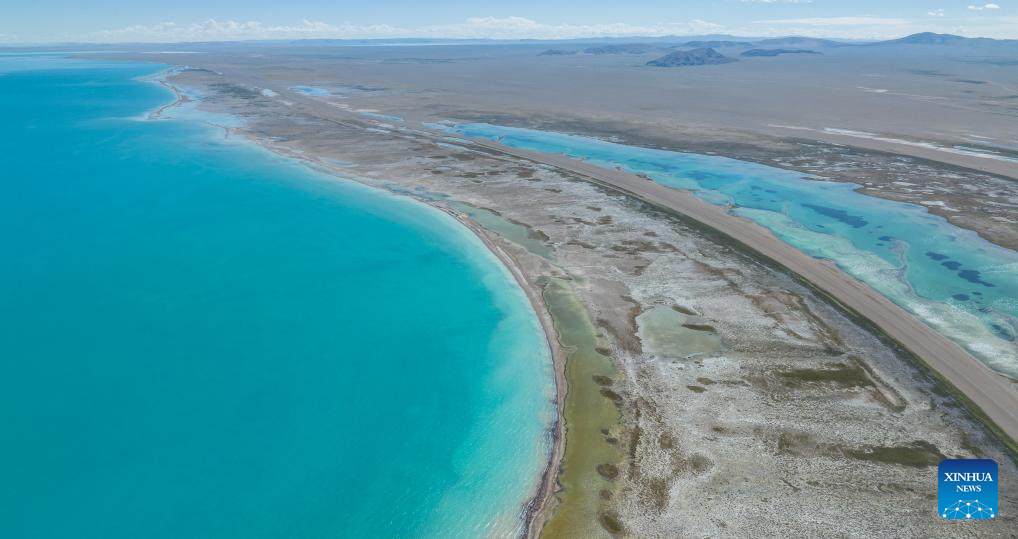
798,402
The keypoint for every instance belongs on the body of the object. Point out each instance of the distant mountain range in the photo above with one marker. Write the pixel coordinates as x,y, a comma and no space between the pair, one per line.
776,52
559,52
801,43
695,57
930,38
611,48
923,38
703,51
636,48
794,41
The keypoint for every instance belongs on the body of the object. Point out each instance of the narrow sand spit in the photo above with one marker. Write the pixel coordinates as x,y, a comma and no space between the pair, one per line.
994,395
537,510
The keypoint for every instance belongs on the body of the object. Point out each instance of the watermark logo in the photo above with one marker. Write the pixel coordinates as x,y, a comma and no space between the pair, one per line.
967,489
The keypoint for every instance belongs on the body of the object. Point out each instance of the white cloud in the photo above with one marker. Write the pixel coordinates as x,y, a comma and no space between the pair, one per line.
213,30
472,28
936,13
519,27
838,21
861,27
984,7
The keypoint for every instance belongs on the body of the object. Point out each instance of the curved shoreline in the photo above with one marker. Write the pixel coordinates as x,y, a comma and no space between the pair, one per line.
534,511
179,97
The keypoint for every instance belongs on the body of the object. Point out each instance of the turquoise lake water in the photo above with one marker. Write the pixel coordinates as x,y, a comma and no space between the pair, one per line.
956,282
200,339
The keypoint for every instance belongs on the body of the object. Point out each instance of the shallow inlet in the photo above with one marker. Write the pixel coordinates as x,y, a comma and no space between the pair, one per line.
517,233
203,339
668,333
590,461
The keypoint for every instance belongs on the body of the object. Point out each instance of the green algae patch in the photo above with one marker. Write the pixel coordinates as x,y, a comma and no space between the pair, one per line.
591,414
841,375
670,333
918,454
529,238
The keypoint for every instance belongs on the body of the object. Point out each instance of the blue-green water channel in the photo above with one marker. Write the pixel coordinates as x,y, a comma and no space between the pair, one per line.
952,279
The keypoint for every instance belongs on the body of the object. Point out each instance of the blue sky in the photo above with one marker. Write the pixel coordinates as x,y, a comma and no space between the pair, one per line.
190,20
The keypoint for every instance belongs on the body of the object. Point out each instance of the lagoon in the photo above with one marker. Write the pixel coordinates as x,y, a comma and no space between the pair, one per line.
956,282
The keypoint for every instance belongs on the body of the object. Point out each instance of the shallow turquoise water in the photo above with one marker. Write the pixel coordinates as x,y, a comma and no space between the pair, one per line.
199,339
960,284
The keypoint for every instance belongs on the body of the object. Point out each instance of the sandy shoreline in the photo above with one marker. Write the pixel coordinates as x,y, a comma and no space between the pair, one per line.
994,395
535,510
179,97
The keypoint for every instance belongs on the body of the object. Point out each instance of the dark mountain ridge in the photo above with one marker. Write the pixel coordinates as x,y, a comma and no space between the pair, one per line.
695,57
